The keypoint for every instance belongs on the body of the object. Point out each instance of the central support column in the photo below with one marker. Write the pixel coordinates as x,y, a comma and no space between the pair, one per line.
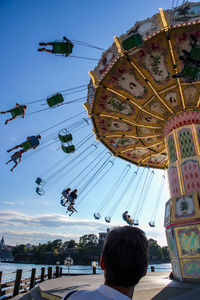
182,212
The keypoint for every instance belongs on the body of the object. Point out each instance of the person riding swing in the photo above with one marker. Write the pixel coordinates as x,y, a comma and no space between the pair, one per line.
31,143
63,47
65,195
16,158
19,110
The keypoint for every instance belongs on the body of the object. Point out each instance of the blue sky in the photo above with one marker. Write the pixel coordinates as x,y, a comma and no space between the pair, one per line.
28,75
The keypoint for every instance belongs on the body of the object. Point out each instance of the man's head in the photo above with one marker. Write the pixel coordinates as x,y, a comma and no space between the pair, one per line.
125,256
38,137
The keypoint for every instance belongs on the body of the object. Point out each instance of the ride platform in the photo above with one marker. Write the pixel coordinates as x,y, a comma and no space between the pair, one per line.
156,286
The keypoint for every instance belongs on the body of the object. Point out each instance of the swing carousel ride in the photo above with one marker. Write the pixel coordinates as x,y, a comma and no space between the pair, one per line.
144,104
143,101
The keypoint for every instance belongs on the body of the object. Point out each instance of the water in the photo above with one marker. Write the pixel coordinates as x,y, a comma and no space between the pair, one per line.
9,269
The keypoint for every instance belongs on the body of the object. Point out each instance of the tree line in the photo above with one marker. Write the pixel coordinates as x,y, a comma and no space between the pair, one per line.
83,252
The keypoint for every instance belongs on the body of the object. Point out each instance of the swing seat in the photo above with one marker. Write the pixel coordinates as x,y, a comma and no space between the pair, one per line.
68,149
108,219
39,191
40,181
195,53
65,138
190,72
55,100
62,202
132,41
26,146
152,224
97,216
63,48
17,111
136,222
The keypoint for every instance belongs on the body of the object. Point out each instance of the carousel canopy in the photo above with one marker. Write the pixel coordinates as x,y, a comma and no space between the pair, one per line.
145,79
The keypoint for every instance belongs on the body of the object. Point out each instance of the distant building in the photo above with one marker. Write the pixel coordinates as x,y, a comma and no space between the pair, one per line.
102,236
5,251
2,244
29,246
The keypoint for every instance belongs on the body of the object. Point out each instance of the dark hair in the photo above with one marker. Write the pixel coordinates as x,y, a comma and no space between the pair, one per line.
73,194
125,256
39,136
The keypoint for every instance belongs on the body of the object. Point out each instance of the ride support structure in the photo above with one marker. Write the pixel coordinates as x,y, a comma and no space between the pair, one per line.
182,214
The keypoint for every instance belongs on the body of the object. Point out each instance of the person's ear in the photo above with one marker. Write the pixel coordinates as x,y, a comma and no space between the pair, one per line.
145,271
102,264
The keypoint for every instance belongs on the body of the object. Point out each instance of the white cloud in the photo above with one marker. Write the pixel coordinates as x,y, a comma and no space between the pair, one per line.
43,227
34,237
9,202
46,220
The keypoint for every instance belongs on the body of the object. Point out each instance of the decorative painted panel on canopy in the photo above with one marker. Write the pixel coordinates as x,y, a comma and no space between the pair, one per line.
137,92
171,242
186,143
184,207
191,175
174,181
171,149
190,268
167,219
189,241
176,268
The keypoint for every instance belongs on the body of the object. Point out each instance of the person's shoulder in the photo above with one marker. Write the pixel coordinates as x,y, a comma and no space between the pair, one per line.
76,295
83,295
69,294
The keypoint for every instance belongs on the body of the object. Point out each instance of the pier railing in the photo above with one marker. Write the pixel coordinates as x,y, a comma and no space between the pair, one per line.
22,284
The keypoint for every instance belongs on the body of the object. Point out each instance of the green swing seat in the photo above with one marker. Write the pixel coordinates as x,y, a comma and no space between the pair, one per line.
195,53
55,100
68,149
190,72
65,138
63,48
132,41
17,111
40,181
